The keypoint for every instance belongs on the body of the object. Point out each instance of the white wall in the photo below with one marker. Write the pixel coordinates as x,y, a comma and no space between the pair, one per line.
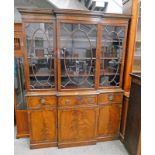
68,4
114,6
75,4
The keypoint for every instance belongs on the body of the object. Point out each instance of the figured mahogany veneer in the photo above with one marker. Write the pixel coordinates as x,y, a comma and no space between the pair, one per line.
22,123
80,120
76,100
110,98
42,111
76,125
109,120
39,101
43,127
68,113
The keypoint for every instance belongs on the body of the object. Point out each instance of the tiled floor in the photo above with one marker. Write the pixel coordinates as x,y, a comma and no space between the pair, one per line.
104,148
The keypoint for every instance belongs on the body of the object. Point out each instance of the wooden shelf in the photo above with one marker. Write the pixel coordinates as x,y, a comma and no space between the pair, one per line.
43,82
102,74
78,75
137,55
69,58
80,40
112,41
41,75
109,58
72,86
136,71
40,58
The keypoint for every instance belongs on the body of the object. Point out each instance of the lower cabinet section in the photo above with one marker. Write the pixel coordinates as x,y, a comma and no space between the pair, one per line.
73,120
77,126
43,127
109,121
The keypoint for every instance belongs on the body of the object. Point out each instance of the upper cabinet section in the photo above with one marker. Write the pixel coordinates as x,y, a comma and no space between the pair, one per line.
70,49
77,55
39,49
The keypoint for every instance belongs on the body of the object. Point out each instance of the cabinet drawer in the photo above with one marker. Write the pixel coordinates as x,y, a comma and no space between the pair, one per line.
110,98
38,101
77,100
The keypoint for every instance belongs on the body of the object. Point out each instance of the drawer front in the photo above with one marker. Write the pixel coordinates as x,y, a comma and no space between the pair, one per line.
110,98
39,101
77,100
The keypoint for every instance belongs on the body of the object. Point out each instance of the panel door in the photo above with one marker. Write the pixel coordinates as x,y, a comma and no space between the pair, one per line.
40,55
109,120
43,124
77,55
76,124
112,54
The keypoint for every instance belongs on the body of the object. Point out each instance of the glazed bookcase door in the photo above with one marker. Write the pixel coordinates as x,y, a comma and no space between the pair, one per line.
19,83
112,55
40,55
77,52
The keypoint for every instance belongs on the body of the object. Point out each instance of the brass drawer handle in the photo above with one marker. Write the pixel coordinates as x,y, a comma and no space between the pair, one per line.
67,101
42,100
110,97
90,100
79,98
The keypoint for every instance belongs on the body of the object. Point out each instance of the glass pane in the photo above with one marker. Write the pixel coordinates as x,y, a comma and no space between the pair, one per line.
78,55
19,83
111,55
137,55
39,38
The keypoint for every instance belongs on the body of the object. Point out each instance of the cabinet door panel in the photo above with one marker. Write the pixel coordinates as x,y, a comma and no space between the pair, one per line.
77,124
109,120
43,125
77,55
112,55
40,55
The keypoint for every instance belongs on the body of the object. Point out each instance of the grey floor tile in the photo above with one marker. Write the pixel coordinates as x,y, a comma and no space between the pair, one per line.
21,147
